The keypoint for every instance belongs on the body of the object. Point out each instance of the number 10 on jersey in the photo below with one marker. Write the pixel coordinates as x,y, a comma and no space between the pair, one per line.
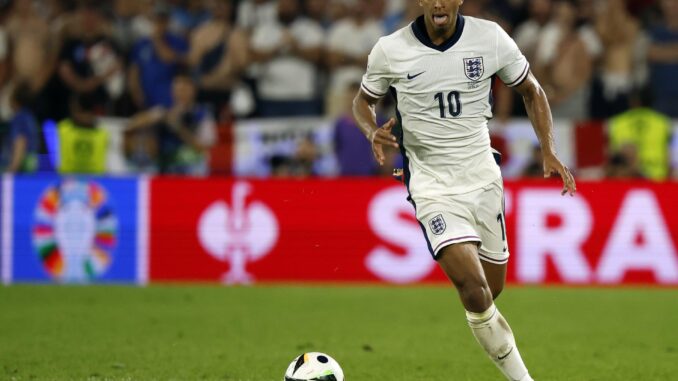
453,103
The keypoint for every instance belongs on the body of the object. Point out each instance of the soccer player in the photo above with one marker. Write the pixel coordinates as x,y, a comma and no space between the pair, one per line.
440,69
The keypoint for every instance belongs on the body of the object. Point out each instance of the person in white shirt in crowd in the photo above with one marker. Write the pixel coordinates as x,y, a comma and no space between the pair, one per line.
318,11
252,13
526,35
619,74
288,51
564,65
349,42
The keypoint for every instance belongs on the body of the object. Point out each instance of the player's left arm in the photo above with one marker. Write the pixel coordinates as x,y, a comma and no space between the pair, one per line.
539,112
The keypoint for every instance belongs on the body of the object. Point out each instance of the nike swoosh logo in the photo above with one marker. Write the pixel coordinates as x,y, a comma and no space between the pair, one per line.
414,76
506,355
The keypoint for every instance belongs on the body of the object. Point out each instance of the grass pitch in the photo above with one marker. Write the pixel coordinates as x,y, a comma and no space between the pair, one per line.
376,333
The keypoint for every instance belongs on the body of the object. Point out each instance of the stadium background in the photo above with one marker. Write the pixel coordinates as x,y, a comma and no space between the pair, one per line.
211,141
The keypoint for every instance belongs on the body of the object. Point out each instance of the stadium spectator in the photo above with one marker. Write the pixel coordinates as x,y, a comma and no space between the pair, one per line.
616,78
317,10
4,57
535,166
154,62
61,15
185,132
252,13
186,15
20,147
89,63
400,19
219,53
305,158
377,11
289,50
300,164
623,163
132,21
663,58
563,65
485,9
527,34
349,42
354,152
281,166
32,52
337,10
587,13
83,144
29,35
648,131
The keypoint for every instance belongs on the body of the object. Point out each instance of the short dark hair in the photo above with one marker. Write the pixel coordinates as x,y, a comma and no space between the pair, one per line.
84,102
23,95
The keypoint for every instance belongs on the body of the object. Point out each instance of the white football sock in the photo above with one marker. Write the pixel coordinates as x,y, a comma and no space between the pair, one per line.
495,336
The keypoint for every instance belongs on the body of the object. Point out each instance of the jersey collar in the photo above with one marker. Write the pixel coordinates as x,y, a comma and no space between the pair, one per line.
419,29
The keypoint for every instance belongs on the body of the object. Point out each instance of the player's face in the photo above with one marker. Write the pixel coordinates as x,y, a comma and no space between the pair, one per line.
440,14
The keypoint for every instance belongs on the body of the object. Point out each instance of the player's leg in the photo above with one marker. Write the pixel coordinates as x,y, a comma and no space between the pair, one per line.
461,265
491,228
495,275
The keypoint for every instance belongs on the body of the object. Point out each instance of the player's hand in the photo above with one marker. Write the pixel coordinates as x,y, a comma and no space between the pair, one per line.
380,137
553,166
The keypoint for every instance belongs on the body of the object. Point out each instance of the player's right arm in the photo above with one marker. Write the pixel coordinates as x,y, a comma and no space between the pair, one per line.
375,84
366,119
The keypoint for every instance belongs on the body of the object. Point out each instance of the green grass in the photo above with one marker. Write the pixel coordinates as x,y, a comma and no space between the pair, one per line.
376,333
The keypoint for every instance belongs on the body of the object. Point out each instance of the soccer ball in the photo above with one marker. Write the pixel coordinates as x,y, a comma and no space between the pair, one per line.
314,366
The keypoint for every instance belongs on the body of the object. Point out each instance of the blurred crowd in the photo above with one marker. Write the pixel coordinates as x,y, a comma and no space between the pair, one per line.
182,69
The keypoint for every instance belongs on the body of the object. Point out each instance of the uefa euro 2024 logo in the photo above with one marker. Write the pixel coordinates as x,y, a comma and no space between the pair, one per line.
75,231
238,233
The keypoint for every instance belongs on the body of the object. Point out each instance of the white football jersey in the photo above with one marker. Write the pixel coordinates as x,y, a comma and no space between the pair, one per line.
443,100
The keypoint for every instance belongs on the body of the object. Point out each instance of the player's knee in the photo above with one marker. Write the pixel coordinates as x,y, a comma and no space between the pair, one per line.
476,296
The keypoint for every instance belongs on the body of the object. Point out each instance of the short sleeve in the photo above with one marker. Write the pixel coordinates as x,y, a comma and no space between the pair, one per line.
512,65
378,77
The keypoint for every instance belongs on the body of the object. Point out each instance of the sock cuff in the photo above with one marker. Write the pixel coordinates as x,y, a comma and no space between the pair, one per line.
481,317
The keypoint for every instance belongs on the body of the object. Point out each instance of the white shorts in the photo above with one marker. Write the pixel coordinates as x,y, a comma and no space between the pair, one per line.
476,216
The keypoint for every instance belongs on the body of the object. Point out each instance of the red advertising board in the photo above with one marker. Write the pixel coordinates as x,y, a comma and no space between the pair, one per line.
240,231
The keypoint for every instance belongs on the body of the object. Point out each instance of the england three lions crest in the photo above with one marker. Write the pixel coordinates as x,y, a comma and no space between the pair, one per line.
473,68
437,224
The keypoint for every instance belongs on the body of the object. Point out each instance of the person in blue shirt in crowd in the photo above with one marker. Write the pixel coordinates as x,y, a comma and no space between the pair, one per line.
184,132
20,147
186,15
154,63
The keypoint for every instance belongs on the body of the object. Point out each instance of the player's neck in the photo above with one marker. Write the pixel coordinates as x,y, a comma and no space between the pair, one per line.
438,38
